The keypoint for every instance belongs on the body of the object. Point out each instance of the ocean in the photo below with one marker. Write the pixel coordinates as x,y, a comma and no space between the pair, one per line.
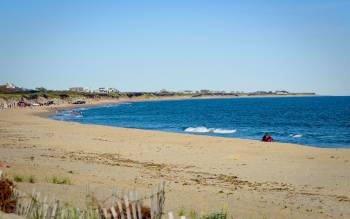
321,121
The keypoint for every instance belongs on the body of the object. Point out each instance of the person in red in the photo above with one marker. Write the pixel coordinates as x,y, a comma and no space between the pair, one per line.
267,138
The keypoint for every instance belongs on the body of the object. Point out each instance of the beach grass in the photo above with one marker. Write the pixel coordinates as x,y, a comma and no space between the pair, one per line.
181,212
23,178
60,180
31,179
216,215
18,178
54,95
193,214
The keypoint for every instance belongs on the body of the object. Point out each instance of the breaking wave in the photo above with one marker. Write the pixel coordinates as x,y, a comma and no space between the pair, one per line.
203,129
80,109
62,115
296,135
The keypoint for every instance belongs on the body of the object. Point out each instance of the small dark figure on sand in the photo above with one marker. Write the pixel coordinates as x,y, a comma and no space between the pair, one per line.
267,138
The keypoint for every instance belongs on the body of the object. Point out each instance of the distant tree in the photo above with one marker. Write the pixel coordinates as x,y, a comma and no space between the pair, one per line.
41,89
64,96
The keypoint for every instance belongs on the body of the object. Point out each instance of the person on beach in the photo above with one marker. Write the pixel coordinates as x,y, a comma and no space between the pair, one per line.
267,138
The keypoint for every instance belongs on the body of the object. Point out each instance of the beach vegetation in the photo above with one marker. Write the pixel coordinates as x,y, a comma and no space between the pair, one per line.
59,180
18,178
11,96
193,214
31,179
39,211
181,212
148,96
216,215
33,95
22,178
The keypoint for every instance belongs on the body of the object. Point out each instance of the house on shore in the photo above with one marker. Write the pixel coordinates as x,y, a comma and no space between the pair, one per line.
9,86
281,92
78,89
106,90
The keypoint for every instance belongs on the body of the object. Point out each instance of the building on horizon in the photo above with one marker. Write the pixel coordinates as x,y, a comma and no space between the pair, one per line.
188,92
281,92
106,90
78,89
10,86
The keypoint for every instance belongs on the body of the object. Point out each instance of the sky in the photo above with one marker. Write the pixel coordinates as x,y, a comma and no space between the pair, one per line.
293,45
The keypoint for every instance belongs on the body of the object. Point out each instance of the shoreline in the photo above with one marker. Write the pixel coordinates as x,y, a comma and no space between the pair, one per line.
52,112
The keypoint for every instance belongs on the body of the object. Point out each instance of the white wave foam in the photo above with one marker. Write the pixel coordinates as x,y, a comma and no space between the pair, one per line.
71,114
296,135
202,129
224,131
81,109
109,105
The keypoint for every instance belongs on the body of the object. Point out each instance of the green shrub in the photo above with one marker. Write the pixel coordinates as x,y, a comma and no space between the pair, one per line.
193,214
60,180
181,212
215,215
18,178
31,179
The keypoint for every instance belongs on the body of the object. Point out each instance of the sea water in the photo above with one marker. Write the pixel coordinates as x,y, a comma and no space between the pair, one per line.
317,121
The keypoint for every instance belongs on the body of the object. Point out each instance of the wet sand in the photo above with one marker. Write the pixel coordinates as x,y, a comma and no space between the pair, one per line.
251,178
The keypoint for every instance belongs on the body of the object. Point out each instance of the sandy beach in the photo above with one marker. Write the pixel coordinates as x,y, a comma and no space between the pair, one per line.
251,178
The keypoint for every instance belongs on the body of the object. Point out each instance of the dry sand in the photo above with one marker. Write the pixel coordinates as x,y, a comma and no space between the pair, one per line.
252,179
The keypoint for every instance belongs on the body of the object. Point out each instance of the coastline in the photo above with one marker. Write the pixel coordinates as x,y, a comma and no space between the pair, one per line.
66,106
251,177
52,112
96,102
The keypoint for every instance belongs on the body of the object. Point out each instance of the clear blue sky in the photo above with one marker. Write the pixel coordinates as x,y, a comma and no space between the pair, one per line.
150,45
